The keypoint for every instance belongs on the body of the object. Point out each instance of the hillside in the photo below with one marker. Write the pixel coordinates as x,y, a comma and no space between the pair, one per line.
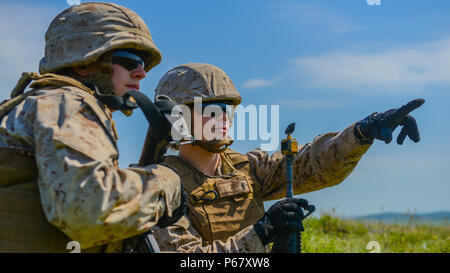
435,218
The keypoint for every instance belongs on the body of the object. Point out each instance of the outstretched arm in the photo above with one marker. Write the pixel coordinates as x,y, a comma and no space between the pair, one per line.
331,157
325,162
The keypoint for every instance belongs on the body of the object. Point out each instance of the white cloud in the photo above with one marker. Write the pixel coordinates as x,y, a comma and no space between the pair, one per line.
22,28
312,104
255,83
314,15
397,70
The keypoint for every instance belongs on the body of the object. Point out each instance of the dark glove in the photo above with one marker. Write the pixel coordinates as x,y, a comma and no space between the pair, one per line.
166,221
283,217
381,126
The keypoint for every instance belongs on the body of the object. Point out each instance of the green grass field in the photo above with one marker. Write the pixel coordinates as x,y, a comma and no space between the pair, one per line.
330,234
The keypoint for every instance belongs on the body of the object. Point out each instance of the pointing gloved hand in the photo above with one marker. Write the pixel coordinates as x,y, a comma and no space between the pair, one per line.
381,125
283,217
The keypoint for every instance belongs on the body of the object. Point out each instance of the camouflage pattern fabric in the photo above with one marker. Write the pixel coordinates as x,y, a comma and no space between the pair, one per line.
182,237
82,33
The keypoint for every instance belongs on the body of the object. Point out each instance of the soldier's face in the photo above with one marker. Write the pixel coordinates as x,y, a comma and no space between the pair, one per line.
212,126
128,71
125,81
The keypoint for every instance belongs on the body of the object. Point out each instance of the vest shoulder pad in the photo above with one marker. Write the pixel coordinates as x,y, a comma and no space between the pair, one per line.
235,157
178,164
100,110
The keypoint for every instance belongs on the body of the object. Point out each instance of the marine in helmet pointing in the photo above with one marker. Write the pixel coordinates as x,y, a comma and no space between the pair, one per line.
59,174
226,189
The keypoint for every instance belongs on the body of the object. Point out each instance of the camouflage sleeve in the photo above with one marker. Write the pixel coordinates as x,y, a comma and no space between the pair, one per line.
325,162
182,237
83,191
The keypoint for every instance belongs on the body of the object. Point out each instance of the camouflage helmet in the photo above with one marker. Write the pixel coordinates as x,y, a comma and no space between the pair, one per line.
82,33
187,81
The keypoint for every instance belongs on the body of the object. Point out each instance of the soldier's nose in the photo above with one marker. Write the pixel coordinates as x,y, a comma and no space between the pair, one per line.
139,73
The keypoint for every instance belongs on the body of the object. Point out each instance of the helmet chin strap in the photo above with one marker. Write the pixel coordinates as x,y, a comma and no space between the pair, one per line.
115,102
214,146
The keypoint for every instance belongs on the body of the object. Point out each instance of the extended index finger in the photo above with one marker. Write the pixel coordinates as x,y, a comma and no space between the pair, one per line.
408,108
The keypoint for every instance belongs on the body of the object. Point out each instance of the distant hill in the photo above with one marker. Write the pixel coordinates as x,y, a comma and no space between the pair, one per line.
442,217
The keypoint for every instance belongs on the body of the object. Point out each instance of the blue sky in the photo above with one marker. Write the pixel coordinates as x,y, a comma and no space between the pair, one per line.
326,63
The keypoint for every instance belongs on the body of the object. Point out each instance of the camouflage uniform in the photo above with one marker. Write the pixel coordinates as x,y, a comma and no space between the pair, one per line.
226,223
59,175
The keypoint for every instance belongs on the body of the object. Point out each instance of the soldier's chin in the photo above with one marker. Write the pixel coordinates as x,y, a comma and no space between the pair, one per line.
120,93
220,139
216,143
224,134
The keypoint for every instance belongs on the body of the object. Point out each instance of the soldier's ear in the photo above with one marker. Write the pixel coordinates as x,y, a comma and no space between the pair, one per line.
83,71
86,70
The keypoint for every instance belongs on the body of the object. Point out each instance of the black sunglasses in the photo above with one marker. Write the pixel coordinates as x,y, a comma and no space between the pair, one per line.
127,60
222,105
